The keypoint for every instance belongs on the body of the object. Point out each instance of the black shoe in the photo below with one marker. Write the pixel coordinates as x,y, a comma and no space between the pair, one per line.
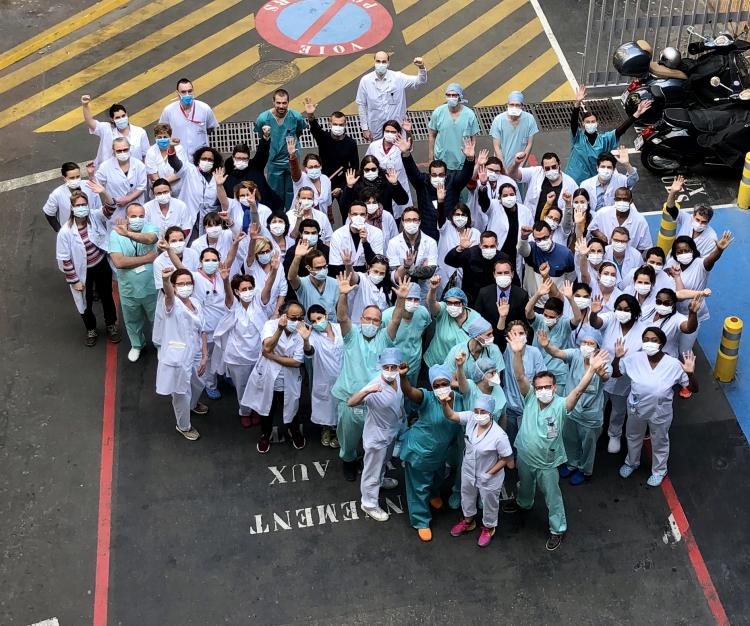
510,507
350,470
554,541
298,439
91,336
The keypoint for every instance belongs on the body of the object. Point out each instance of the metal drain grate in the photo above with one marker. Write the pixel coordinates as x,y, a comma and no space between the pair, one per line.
549,116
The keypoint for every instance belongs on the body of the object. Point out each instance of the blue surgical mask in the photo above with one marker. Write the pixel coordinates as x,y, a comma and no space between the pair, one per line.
321,274
452,102
313,173
320,326
264,258
210,267
136,223
162,142
381,68
369,330
311,239
186,100
291,326
121,123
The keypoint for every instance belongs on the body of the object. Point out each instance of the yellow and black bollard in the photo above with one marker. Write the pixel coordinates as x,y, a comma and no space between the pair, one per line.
729,348
743,195
667,231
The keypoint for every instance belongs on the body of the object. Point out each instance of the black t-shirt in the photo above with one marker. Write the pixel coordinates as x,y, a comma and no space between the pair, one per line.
546,188
511,241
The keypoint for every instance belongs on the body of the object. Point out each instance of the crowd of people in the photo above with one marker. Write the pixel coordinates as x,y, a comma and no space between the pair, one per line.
478,314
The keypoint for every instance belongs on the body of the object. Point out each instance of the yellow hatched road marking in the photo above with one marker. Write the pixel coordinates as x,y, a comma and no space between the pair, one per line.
563,92
153,74
58,31
112,62
334,82
528,75
402,5
483,65
433,19
83,44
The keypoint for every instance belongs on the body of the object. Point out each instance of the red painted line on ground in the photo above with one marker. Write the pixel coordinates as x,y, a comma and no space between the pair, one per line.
322,21
104,523
532,161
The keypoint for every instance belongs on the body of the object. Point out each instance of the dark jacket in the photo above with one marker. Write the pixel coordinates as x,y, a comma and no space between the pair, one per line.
478,271
389,194
255,173
289,257
486,305
335,153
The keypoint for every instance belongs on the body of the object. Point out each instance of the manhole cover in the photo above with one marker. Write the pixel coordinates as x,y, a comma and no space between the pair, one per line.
274,72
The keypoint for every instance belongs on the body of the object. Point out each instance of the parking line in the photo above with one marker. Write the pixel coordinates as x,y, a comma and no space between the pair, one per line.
528,75
340,78
58,31
562,93
555,45
402,5
433,19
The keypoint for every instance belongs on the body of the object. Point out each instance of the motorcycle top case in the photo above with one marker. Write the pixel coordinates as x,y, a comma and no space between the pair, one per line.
631,60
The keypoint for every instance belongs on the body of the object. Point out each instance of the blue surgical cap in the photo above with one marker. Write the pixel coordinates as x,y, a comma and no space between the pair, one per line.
477,327
440,371
485,402
457,88
481,366
390,356
457,293
515,96
589,332
415,291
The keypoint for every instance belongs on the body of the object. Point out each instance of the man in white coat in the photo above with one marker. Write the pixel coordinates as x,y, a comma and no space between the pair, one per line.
191,120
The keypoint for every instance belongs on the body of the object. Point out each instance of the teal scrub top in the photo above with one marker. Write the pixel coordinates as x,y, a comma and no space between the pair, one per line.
589,410
491,351
559,335
447,334
513,139
583,155
449,142
497,394
425,445
307,294
409,335
360,361
540,436
532,363
292,126
139,281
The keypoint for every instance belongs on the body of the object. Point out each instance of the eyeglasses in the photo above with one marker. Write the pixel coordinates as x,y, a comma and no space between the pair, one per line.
664,302
370,169
123,151
543,387
549,168
372,320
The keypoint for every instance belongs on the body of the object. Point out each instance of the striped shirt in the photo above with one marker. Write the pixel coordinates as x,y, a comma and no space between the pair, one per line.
94,254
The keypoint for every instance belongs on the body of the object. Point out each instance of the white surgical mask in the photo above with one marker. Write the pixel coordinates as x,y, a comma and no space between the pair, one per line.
514,111
587,350
210,267
545,245
436,180
489,253
581,206
595,258
205,165
508,201
482,418
369,330
73,184
123,156
247,296
410,306
685,258
184,291
605,173
390,137
622,206
264,258
411,228
657,267
582,302
311,239
607,281
459,221
163,198
642,289
389,376
213,231
358,221
121,122
81,210
544,395
454,310
241,165
372,207
619,246
590,127
277,229
136,223
503,281
376,279
698,227
492,176
177,246
623,316
552,174
371,175
663,309
306,204
337,129
245,201
651,347
549,322
494,380
442,392
552,223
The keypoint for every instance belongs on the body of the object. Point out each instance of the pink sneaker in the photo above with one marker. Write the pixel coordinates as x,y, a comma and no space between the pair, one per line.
464,526
485,537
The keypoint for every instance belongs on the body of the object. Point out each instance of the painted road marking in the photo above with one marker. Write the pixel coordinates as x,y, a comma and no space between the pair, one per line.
563,92
433,19
528,75
555,45
118,59
52,621
402,5
335,81
153,75
324,27
84,44
58,31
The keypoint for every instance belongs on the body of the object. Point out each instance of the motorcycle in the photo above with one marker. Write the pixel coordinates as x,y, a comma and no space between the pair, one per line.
686,84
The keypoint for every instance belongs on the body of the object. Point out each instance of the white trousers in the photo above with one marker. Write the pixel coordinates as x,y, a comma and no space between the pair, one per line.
617,416
240,375
490,502
183,403
636,430
373,474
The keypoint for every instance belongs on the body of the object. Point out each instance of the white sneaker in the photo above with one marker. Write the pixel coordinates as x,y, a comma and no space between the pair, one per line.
134,354
190,435
389,483
378,514
613,447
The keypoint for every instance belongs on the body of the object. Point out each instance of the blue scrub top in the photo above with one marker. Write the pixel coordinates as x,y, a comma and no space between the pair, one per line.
583,155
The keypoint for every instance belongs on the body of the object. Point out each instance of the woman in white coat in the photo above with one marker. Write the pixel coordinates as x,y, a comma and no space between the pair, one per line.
82,257
183,356
324,348
451,228
199,181
237,336
311,177
275,384
389,157
377,216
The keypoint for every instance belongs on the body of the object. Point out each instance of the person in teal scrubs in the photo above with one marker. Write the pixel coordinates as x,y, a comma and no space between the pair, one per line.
363,344
484,380
582,430
414,321
540,439
452,320
480,344
425,445
449,125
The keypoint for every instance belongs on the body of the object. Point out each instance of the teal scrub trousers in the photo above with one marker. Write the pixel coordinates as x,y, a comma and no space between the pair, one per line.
135,311
580,445
421,485
548,480
349,429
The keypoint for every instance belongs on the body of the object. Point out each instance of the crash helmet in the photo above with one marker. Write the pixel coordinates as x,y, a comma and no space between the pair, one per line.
670,57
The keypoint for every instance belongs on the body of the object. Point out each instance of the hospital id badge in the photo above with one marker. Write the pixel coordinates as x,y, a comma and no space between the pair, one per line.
551,428
359,411
139,269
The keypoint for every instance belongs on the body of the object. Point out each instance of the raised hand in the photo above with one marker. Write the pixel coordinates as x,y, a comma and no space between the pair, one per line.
85,99
620,349
596,304
266,130
526,231
567,289
121,227
346,256
516,343
406,124
543,338
688,362
677,183
403,369
343,280
622,155
503,308
469,147
351,177
520,157
254,231
643,106
309,106
391,175
94,185
484,154
166,273
579,216
464,239
223,271
291,145
162,245
174,141
302,248
580,94
219,176
282,321
402,287
582,248
725,240
551,196
409,259
238,239
695,304
434,281
419,62
304,331
544,270
482,175
275,261
567,197
598,360
440,191
460,359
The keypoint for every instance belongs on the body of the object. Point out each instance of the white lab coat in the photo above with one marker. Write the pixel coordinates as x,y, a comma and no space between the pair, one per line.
482,453
366,294
388,227
118,183
427,251
497,222
652,389
605,220
178,214
258,394
630,262
705,241
70,247
190,261
222,244
58,202
448,240
534,177
342,240
326,231
237,336
322,199
327,360
618,180
478,217
380,99
190,127
157,164
383,418
108,132
180,348
392,160
612,331
198,193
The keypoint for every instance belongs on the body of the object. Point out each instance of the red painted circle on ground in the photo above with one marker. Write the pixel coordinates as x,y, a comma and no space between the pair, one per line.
323,27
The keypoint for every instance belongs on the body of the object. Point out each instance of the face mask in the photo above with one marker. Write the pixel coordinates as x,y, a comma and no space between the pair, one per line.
411,228
264,258
213,231
82,210
619,246
494,380
581,206
482,418
410,306
390,137
441,393
205,165
605,173
320,326
607,281
436,180
590,127
369,330
508,201
685,258
242,165
277,229
247,296
582,302
337,130
503,281
313,173
545,245
306,204
245,201
657,268
587,351
595,259
73,184
311,239
321,274
552,223
187,100
459,221
454,310
663,309
121,122
210,267
623,316
651,347
642,289
492,176
358,221
622,206
514,111
381,68
524,339
136,223
184,291
698,227
123,156
452,102
388,376
549,322
489,253
162,142
372,207
371,175
552,174
177,246
163,198
376,279
544,395
291,326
